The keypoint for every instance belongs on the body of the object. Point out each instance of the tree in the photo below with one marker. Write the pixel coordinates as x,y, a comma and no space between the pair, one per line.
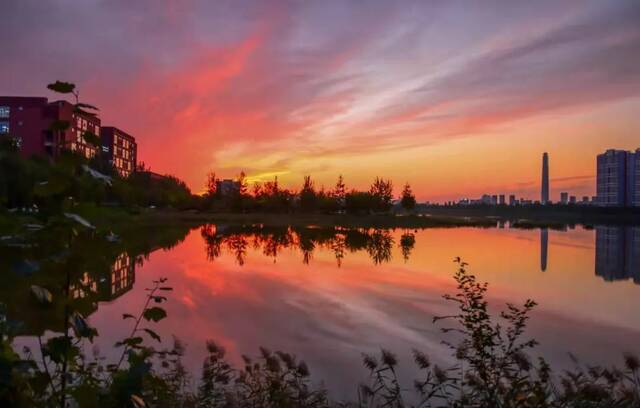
357,202
339,192
382,193
211,183
308,196
408,200
239,195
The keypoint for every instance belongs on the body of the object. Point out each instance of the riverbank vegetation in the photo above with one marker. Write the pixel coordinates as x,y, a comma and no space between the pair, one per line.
493,366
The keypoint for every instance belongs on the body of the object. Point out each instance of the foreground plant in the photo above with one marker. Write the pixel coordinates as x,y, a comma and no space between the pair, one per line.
492,369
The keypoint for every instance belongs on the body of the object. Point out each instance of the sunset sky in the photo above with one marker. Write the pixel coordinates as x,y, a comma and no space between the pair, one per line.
457,98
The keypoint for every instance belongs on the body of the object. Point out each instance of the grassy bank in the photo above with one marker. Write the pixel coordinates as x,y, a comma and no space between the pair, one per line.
317,220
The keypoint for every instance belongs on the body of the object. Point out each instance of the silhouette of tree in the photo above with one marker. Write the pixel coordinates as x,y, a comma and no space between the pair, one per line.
340,192
382,193
308,196
357,202
242,184
211,183
408,200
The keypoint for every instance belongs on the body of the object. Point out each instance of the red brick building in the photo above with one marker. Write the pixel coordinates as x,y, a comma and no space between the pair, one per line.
30,119
121,149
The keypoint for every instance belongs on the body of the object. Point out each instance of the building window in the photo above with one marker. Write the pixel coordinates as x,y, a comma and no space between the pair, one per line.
4,111
4,127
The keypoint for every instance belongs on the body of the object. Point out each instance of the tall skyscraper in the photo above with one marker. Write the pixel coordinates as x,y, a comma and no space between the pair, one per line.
618,178
544,199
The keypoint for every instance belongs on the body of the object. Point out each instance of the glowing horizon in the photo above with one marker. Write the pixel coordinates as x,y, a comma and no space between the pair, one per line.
458,99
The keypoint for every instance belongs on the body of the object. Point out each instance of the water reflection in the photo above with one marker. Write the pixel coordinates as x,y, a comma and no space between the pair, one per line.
92,271
544,248
617,247
377,243
618,253
106,286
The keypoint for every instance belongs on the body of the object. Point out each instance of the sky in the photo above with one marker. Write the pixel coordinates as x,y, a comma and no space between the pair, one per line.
456,98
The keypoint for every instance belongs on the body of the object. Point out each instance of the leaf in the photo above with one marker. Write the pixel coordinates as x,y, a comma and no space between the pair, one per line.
81,327
153,334
128,316
41,294
137,401
155,313
62,87
59,348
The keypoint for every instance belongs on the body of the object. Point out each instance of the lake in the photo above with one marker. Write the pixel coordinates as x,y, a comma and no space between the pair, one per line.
330,294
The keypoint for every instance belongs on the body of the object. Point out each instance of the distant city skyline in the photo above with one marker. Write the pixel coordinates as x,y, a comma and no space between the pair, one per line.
445,96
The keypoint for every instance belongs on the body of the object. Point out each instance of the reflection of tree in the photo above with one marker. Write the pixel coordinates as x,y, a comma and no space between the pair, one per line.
213,241
274,240
338,246
306,246
377,243
407,242
379,246
238,245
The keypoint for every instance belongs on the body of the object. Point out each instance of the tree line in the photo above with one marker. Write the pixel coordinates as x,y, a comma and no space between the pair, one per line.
270,196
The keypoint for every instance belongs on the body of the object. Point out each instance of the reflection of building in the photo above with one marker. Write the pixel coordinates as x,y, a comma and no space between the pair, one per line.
120,148
618,253
120,279
122,275
84,287
544,247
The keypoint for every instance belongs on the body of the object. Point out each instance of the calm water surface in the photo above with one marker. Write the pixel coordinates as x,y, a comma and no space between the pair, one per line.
329,295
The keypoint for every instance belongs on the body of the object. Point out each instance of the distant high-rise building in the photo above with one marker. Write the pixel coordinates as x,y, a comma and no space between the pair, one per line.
501,200
512,199
572,199
544,199
494,199
564,197
618,179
